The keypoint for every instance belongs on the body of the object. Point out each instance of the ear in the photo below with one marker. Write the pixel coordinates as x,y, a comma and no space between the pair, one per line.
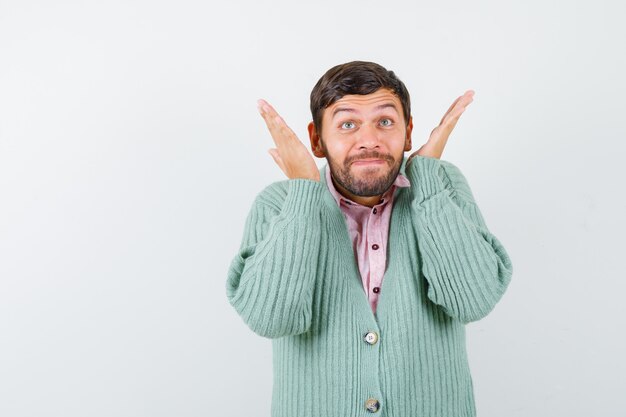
409,129
316,145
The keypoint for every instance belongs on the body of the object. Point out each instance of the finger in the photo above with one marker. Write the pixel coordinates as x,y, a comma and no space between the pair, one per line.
283,136
461,98
458,107
465,99
276,125
269,113
266,109
451,107
284,129
460,102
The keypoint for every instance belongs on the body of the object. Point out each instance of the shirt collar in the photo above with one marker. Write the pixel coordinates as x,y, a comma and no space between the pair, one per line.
401,181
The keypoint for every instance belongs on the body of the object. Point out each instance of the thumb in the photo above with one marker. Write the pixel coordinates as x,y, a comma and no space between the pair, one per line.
276,157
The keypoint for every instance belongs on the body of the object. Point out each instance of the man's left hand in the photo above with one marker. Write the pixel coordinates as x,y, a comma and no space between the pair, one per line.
439,136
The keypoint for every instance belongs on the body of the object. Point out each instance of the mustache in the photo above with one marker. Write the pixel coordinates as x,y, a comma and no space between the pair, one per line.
370,155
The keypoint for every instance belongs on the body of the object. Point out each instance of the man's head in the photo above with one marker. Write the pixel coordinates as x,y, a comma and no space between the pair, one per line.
361,111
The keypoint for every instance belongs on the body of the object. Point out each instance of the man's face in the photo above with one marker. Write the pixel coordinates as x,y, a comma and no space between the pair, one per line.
363,139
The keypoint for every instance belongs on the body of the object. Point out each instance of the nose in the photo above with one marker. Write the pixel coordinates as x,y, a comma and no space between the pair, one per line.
367,136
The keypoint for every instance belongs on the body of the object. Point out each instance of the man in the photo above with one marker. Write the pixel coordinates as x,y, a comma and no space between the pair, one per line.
309,272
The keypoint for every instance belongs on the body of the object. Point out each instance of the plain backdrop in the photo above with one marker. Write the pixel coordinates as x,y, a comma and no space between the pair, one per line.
131,150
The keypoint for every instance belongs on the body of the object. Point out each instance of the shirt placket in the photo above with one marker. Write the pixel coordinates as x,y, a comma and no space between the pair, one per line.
376,253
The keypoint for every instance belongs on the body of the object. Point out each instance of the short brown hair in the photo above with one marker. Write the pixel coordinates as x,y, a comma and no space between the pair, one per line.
356,77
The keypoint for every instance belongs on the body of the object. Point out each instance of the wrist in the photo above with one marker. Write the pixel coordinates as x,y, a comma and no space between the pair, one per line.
424,174
311,177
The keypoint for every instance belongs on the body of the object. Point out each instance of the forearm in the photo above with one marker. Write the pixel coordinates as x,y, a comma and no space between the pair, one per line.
270,280
467,268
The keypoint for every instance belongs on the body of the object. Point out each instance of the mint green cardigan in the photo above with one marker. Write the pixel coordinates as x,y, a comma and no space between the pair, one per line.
295,280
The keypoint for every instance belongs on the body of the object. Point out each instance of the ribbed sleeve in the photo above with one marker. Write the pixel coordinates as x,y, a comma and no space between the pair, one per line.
466,267
270,281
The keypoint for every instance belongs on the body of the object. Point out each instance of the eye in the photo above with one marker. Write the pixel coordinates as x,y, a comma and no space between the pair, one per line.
386,122
347,125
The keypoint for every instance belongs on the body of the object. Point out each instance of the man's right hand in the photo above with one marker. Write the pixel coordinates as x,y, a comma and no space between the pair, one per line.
290,153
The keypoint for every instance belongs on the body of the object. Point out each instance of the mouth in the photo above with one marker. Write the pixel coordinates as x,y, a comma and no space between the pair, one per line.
368,162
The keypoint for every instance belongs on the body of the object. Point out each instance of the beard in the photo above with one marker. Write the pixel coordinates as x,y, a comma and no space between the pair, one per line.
373,180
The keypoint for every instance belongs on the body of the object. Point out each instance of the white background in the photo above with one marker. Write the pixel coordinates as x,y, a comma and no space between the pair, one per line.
131,150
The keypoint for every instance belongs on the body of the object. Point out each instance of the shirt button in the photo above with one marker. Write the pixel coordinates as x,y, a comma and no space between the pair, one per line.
376,290
375,211
371,338
375,246
372,405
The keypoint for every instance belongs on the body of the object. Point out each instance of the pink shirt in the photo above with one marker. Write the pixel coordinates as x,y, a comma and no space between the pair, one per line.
369,230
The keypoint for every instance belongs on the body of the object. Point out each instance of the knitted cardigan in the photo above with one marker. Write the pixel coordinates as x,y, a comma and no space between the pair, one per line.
295,280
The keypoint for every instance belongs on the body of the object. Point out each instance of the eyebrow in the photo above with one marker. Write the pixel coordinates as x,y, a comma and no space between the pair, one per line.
351,110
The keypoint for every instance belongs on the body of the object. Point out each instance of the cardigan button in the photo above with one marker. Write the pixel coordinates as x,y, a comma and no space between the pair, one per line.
371,338
372,405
